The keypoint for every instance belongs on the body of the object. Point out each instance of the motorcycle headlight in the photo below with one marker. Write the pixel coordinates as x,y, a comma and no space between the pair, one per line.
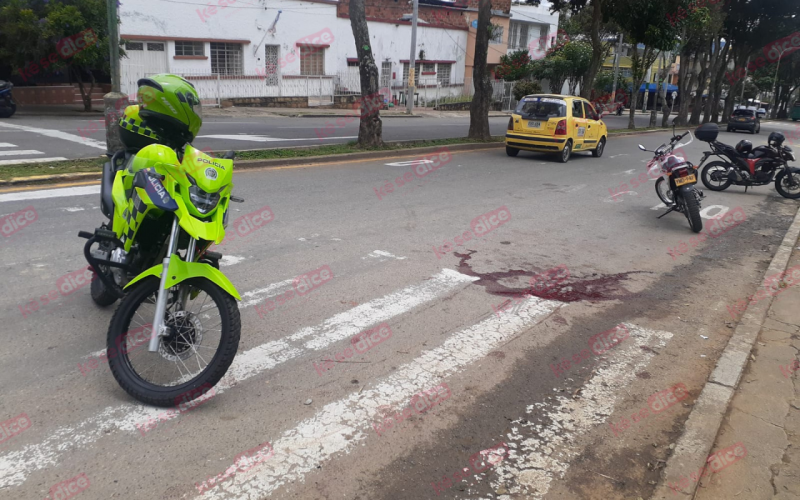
202,201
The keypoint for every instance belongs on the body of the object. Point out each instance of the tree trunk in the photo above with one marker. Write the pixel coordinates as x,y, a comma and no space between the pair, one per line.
479,108
683,72
691,73
701,87
87,99
638,67
597,49
739,58
370,130
717,77
661,87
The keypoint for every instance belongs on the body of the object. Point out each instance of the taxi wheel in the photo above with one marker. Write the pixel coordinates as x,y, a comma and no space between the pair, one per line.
598,151
512,151
563,156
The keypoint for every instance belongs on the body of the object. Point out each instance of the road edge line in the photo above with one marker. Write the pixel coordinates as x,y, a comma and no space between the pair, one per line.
705,420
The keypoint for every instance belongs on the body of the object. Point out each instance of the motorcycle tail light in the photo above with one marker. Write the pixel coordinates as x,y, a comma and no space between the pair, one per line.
561,128
683,173
511,123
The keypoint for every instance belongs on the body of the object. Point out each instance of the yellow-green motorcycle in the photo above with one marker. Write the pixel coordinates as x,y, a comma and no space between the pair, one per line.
176,330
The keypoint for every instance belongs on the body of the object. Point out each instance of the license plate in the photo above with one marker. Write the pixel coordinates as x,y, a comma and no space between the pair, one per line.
534,124
742,119
680,181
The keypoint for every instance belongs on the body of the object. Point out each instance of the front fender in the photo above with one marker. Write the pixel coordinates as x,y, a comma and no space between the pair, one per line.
179,271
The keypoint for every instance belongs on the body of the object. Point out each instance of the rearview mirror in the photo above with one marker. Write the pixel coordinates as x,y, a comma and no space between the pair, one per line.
642,147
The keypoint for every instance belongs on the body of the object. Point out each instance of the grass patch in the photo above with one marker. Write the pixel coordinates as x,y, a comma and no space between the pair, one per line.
8,172
350,147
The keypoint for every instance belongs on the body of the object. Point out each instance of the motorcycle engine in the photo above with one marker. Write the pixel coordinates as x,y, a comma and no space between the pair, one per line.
119,255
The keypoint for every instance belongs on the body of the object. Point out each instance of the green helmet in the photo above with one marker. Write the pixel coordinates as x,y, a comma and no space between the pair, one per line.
133,132
170,106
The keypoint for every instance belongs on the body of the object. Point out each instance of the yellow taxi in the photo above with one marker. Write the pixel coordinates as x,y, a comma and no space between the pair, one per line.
559,124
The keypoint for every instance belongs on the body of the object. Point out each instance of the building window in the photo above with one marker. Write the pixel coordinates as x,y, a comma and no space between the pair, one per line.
443,75
543,34
518,35
312,61
189,48
428,68
226,58
497,34
155,46
353,64
134,46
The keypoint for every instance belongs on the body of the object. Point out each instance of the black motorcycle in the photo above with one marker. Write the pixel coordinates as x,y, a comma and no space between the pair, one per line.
7,105
746,166
676,187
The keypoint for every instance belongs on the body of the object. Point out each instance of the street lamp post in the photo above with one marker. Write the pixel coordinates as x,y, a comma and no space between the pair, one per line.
412,60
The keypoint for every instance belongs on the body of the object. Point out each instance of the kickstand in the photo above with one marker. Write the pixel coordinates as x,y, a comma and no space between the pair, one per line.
671,209
745,189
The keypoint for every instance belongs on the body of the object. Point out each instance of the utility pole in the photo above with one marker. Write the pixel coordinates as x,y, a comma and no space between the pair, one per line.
412,60
616,69
114,103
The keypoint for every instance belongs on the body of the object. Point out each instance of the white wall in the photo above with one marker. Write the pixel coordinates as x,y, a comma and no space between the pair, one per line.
298,20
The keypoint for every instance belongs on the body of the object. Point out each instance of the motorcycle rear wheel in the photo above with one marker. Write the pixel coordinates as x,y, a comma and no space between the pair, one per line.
782,178
181,350
692,209
721,169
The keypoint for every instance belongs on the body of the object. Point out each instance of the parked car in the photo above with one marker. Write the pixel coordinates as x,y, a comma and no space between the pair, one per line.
761,113
744,119
560,124
796,111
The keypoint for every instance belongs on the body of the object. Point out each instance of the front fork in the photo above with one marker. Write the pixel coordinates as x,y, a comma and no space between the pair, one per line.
159,329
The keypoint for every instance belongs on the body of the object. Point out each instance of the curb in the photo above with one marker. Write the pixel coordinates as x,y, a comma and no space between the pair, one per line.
705,419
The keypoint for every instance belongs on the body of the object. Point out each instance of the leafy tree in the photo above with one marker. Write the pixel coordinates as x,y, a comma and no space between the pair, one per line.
579,55
513,67
370,129
30,33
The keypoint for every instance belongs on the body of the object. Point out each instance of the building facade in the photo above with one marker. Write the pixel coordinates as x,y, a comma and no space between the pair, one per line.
284,48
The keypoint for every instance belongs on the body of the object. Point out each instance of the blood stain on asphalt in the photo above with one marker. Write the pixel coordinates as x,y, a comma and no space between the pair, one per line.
574,289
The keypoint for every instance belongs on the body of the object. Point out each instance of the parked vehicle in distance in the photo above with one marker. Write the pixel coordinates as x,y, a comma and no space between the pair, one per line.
795,111
744,119
7,105
558,124
761,113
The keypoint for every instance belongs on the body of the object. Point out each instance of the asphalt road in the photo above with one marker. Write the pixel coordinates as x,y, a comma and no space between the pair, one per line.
31,138
547,428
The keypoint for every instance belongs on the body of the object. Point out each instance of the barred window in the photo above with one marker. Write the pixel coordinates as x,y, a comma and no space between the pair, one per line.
312,61
155,47
189,48
428,68
518,35
134,46
443,75
226,58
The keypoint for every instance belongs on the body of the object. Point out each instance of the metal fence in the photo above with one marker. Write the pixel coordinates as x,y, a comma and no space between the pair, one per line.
321,89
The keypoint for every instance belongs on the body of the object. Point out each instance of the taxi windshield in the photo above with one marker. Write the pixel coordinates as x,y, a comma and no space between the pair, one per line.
541,107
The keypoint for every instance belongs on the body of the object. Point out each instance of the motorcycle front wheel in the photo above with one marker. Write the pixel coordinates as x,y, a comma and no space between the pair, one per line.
664,192
788,183
691,209
199,347
715,176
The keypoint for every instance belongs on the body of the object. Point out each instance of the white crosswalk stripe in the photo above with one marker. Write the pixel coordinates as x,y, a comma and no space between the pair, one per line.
20,152
7,145
31,160
17,466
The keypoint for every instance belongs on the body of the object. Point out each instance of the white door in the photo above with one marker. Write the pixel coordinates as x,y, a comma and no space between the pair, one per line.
143,59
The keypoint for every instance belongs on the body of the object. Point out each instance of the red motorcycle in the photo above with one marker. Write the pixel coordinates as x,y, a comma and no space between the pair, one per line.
747,166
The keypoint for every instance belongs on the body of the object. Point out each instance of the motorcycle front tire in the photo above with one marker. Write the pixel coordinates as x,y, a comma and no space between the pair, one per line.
692,208
9,111
795,173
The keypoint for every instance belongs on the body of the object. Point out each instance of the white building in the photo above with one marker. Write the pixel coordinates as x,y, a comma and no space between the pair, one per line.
295,48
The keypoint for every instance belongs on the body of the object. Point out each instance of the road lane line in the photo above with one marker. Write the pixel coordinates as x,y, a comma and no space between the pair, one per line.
26,161
50,193
339,426
543,442
20,152
57,134
16,466
7,145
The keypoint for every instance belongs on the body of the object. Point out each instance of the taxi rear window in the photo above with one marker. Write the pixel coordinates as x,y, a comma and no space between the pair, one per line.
541,107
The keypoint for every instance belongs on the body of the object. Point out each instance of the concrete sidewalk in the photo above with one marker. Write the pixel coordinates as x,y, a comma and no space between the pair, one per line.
764,415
